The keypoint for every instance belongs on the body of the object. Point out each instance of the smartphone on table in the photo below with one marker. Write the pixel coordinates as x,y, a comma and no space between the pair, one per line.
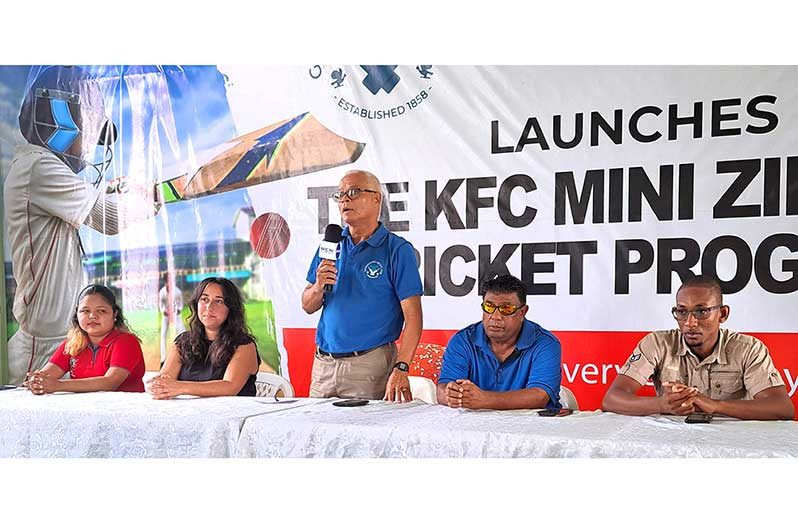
350,403
698,417
554,413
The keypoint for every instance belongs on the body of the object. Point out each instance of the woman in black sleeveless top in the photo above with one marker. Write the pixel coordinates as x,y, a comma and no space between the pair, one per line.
217,355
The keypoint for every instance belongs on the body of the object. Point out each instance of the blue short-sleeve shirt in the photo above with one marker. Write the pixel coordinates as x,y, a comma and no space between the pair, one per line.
363,310
535,363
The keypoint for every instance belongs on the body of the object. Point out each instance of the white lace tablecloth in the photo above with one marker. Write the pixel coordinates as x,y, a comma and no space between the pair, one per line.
419,430
123,424
118,424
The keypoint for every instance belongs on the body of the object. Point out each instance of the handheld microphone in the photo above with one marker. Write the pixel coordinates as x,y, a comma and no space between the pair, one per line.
328,250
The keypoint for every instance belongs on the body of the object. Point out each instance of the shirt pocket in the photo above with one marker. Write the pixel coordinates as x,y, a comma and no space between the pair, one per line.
672,374
727,385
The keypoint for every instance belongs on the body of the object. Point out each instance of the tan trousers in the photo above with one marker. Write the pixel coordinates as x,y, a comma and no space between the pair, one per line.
356,377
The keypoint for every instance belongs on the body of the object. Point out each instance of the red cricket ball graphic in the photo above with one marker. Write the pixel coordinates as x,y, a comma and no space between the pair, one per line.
269,235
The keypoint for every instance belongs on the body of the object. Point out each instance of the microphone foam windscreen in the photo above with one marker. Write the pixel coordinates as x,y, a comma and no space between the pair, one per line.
333,233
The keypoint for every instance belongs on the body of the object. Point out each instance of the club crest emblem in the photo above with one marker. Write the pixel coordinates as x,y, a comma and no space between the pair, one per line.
373,269
377,92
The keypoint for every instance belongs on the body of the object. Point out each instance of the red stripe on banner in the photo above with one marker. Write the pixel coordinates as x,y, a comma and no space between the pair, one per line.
589,359
300,344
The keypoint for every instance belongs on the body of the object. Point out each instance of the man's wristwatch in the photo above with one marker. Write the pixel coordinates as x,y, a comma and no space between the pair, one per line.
400,365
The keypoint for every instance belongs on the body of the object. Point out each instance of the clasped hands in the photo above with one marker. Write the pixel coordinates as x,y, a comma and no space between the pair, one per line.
40,383
163,387
464,393
680,400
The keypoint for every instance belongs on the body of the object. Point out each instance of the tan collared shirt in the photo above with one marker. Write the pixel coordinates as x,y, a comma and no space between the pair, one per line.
738,368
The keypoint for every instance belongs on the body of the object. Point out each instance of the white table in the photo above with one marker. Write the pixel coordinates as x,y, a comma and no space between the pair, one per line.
124,424
119,424
419,430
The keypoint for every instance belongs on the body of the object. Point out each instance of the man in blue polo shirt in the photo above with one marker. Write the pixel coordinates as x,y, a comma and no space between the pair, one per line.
505,361
376,290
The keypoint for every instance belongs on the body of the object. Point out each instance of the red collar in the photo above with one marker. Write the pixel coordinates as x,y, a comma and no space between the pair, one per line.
109,339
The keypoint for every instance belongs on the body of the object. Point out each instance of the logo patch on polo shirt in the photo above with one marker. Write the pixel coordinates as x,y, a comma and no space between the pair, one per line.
373,269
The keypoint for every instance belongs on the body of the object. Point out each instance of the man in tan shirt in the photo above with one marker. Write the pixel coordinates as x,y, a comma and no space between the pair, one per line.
701,367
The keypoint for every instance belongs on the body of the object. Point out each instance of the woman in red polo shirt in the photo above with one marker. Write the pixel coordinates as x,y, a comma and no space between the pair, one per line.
100,352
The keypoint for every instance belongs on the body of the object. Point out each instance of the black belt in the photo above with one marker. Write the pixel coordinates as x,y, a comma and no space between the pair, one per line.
338,355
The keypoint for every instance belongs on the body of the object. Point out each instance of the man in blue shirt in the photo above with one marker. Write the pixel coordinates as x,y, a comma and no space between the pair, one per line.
376,290
505,361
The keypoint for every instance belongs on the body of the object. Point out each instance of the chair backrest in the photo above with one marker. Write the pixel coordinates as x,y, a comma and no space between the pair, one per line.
269,384
567,399
423,389
148,375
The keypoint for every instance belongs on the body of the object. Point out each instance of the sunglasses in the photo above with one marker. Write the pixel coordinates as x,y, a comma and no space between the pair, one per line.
504,310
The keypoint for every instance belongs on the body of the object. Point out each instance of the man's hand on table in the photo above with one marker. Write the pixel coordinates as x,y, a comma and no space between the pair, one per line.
677,399
464,393
398,387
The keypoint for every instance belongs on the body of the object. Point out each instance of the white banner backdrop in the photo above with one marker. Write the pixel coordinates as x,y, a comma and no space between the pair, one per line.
597,186
718,143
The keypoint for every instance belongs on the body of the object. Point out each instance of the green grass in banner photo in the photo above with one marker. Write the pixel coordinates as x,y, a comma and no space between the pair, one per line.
12,327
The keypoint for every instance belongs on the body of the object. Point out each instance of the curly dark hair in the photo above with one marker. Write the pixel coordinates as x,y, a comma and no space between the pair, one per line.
194,347
505,284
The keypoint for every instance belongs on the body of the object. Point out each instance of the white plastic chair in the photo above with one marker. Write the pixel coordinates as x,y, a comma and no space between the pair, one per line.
567,399
269,384
423,389
148,375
